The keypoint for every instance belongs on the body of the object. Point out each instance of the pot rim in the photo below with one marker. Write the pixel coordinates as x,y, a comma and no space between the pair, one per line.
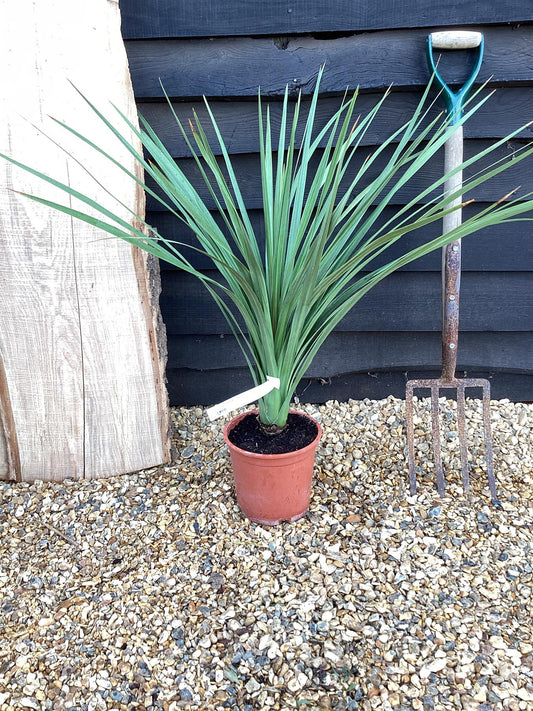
272,457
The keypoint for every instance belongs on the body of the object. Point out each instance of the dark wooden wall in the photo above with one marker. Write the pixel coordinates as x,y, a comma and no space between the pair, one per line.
224,51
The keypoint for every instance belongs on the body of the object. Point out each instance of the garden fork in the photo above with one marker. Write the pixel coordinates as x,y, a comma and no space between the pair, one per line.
451,279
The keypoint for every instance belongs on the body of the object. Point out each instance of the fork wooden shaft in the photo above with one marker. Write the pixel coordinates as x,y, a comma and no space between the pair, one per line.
451,258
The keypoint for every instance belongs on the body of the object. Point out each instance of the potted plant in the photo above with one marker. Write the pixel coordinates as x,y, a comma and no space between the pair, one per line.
322,232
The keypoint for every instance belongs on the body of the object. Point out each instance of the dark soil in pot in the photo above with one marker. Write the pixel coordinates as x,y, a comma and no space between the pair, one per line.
248,435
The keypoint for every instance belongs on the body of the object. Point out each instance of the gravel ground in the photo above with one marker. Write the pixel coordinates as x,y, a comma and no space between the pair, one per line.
151,591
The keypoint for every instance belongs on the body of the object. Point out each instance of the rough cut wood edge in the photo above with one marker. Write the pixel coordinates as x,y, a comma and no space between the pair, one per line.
9,449
148,272
149,279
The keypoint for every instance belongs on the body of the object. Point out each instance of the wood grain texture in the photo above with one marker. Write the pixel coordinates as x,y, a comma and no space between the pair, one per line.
75,342
496,301
168,18
235,66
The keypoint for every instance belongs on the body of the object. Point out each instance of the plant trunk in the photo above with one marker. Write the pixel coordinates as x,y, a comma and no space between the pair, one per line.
273,411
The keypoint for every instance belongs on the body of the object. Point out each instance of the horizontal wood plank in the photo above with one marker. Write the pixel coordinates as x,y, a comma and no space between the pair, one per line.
497,301
235,67
498,248
247,170
346,352
188,387
168,18
507,109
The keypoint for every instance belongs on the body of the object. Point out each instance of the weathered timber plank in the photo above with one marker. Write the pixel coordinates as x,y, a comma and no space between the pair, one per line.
188,387
238,122
497,248
516,387
235,67
76,341
167,18
494,301
346,352
247,170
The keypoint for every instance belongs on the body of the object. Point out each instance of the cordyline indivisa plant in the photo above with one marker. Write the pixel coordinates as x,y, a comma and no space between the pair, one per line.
320,237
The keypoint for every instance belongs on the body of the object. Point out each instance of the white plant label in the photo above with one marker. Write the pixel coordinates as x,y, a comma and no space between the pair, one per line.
245,398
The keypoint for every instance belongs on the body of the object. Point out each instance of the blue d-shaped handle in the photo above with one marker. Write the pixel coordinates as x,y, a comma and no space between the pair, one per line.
454,100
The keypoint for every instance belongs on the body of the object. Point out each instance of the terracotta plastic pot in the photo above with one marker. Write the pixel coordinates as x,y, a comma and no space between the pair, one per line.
272,488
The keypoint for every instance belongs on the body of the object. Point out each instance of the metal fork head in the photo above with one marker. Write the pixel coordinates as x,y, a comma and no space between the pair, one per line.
460,385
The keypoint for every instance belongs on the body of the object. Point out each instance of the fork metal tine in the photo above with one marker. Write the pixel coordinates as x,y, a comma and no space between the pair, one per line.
410,437
460,385
461,427
488,440
437,458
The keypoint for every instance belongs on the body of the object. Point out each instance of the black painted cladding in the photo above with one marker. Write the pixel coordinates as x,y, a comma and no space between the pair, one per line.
142,19
248,169
498,249
405,301
240,132
393,333
235,67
